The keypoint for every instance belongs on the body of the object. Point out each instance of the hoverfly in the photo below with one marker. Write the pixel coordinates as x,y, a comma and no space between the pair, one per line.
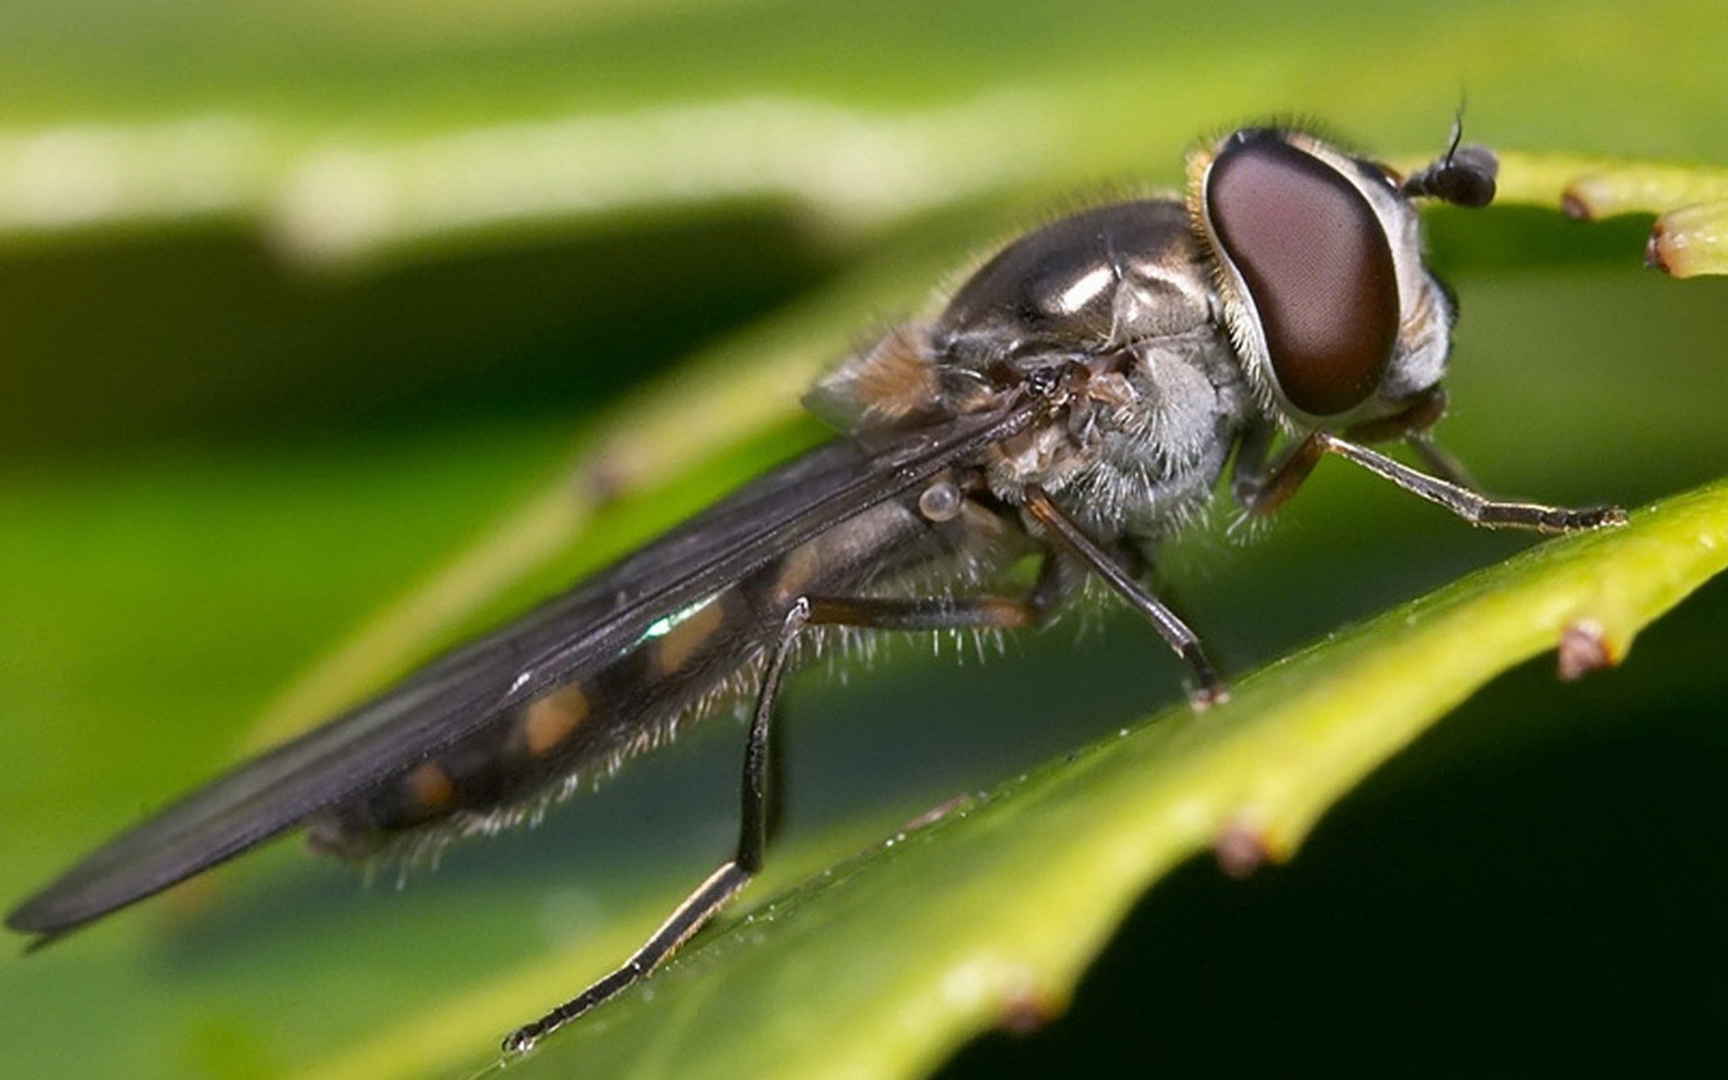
1077,399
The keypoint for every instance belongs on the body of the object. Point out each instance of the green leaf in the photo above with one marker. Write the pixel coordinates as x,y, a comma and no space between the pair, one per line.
886,962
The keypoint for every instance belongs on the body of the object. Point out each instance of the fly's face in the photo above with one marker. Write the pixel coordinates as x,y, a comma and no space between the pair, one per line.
1317,262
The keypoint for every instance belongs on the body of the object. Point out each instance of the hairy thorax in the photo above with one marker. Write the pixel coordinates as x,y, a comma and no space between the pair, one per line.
1116,297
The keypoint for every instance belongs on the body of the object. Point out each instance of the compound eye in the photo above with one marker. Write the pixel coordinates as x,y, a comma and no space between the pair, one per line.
1317,263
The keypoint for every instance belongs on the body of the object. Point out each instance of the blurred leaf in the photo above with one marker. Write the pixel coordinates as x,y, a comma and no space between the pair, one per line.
887,962
1690,237
1640,188
352,132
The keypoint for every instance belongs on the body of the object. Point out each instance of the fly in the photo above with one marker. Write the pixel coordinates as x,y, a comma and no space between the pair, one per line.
1077,400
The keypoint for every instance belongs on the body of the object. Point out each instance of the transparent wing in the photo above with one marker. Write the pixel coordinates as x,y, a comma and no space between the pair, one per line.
459,692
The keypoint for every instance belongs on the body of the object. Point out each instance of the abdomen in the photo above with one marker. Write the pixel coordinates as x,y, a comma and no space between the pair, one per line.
687,665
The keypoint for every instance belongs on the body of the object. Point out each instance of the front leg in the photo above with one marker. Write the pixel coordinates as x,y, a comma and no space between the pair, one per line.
1472,506
1263,492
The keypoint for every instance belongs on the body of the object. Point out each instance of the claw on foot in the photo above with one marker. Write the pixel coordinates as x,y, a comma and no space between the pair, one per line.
1205,697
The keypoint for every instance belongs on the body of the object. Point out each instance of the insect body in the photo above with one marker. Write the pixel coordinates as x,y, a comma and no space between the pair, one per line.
1078,399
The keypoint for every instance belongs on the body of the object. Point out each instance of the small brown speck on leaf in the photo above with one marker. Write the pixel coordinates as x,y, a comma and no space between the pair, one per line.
1025,1013
1654,256
1583,649
1240,849
962,801
601,481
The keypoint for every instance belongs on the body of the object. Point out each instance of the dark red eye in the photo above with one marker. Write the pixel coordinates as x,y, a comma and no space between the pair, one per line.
1317,262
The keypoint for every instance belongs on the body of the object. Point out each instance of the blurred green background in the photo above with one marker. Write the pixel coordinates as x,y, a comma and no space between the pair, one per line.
300,302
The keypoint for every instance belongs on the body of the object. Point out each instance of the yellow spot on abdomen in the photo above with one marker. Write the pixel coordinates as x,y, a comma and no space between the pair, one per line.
796,571
675,648
430,787
550,720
